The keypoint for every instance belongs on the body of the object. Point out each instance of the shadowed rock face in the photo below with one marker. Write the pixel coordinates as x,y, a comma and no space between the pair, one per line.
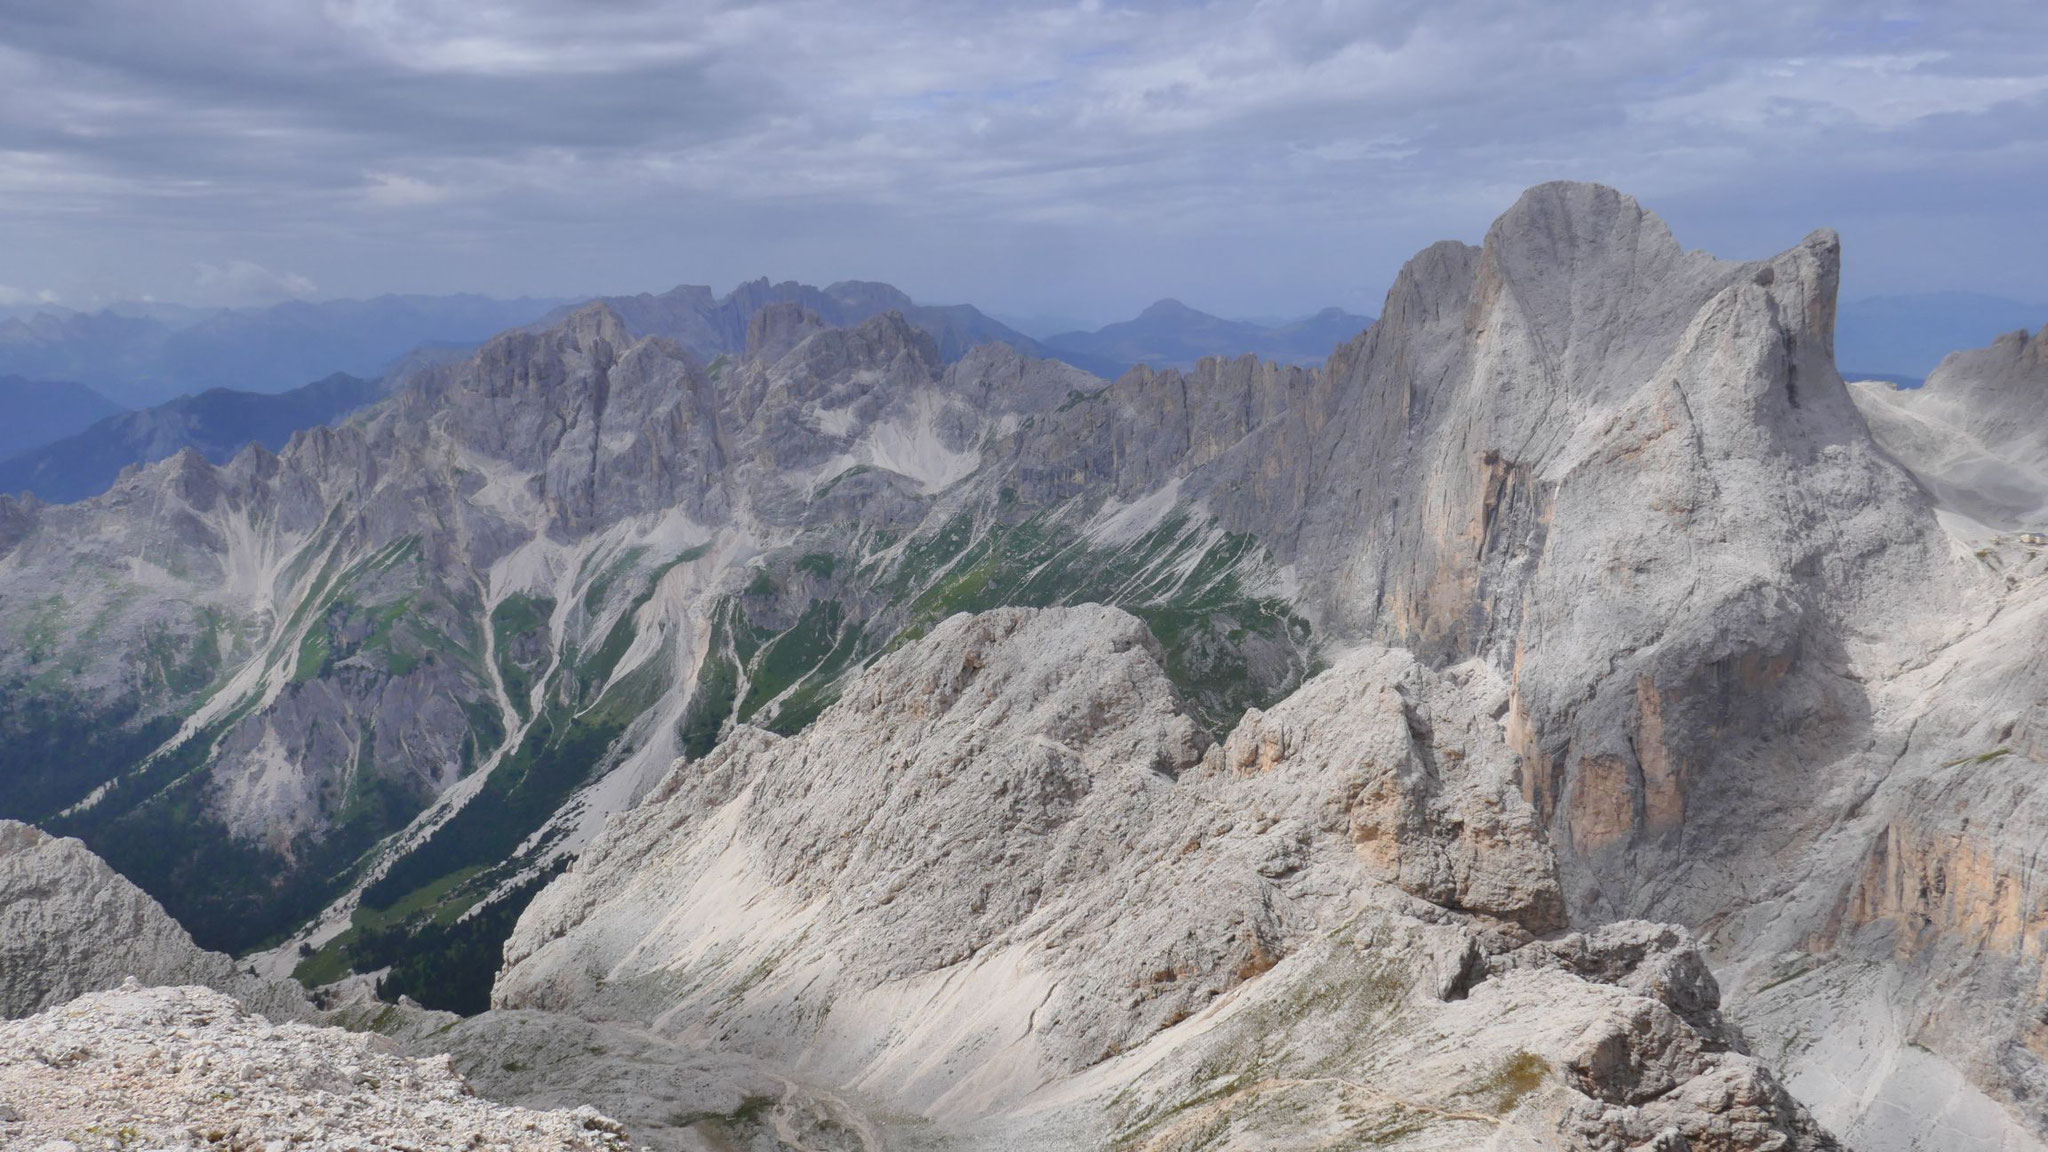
1599,509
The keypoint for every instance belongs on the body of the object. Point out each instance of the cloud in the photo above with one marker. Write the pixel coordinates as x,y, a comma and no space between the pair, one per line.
393,190
244,282
699,138
11,297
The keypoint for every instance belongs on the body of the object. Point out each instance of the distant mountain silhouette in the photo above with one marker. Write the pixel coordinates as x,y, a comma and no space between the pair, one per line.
34,412
1882,337
1171,334
694,316
141,355
218,423
1040,326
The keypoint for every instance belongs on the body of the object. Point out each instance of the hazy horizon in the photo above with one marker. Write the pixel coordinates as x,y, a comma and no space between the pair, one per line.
1035,324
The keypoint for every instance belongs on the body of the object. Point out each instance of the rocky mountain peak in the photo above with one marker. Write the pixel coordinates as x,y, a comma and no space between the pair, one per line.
1593,284
885,343
1564,218
776,328
539,362
1620,614
594,324
870,296
1976,433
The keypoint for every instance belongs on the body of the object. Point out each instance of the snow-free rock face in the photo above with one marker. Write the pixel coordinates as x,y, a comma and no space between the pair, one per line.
1629,475
70,925
189,1068
986,778
1005,882
1976,433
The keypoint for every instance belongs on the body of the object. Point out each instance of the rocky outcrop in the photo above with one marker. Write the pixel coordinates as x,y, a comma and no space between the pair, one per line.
1006,868
1428,789
70,925
1973,433
189,1068
880,854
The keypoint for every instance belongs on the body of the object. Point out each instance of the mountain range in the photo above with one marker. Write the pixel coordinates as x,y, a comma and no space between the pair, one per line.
1563,715
1170,334
216,423
692,316
39,412
60,460
142,350
144,355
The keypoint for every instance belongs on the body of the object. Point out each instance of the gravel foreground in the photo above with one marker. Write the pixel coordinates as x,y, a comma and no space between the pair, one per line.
189,1068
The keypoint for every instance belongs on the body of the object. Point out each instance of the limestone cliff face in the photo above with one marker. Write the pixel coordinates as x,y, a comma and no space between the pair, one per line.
1624,474
1628,476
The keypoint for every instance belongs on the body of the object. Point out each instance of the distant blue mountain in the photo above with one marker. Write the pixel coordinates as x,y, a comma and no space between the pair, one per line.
1169,334
693,315
34,413
1881,337
218,423
143,355
1040,326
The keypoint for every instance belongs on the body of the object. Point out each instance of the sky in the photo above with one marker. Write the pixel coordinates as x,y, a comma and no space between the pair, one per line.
1260,158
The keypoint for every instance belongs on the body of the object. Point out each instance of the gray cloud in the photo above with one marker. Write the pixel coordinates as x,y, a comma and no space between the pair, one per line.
1248,156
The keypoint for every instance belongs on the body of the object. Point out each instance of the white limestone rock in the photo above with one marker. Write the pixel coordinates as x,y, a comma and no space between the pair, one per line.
1003,885
70,925
190,1068
1976,433
671,1097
